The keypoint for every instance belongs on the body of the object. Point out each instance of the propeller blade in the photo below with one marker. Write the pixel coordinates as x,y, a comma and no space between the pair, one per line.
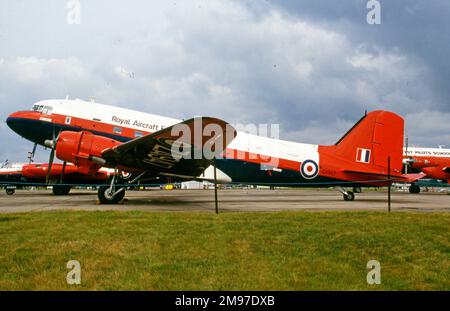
50,164
51,144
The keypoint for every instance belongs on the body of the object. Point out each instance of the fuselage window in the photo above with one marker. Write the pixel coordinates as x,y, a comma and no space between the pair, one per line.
138,134
117,130
68,120
47,110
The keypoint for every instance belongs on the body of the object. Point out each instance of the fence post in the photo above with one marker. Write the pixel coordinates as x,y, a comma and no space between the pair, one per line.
389,186
215,187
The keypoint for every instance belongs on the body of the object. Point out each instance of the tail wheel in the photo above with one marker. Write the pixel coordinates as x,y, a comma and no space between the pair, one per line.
10,191
61,190
349,196
414,189
106,197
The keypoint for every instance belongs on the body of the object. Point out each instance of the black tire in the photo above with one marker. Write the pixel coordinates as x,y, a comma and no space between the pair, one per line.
349,196
61,190
10,191
414,189
357,189
105,198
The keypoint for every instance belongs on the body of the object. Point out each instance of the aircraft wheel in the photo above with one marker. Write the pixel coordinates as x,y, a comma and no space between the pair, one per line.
61,190
414,189
10,191
106,197
350,196
357,189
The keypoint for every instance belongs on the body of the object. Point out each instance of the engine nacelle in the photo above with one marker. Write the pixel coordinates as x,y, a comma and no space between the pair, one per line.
435,172
83,149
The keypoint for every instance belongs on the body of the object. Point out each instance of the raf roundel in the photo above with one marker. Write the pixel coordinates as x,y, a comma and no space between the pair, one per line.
309,169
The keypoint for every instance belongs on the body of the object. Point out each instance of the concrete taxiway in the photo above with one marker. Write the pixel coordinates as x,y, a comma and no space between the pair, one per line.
229,200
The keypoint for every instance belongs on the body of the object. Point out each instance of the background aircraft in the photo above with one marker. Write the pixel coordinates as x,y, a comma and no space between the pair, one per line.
62,177
434,162
93,135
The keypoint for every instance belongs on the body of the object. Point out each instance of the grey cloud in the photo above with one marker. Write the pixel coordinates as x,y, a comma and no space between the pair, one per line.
314,67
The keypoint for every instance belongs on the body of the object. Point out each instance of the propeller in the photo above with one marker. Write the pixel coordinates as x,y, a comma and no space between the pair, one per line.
408,160
52,145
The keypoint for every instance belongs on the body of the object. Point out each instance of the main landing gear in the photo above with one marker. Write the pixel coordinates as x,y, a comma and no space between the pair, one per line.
113,194
348,195
414,189
109,195
357,189
10,191
61,190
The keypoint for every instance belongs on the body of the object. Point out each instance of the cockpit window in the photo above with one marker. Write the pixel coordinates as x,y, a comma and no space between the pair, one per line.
38,108
43,109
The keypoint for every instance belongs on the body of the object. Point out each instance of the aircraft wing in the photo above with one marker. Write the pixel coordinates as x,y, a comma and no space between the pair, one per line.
185,149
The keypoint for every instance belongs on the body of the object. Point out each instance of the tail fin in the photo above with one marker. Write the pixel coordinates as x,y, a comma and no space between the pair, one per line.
374,138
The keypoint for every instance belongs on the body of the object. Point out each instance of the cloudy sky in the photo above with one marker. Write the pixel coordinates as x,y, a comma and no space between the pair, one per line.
313,67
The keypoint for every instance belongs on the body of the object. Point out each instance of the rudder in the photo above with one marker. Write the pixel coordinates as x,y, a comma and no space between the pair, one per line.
374,138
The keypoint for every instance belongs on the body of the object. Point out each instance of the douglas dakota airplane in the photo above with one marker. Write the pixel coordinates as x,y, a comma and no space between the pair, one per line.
152,147
434,162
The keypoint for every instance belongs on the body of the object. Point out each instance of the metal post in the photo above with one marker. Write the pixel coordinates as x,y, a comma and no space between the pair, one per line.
215,187
389,186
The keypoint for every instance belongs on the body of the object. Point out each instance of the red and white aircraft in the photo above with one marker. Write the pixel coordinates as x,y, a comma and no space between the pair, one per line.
152,147
434,162
63,177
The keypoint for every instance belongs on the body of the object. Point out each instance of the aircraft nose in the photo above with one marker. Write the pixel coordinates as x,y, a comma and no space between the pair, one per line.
14,120
26,124
11,120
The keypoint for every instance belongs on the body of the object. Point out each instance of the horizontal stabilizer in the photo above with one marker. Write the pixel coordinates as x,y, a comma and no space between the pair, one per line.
412,177
407,178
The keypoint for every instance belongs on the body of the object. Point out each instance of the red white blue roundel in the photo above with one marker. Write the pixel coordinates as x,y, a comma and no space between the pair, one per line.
309,169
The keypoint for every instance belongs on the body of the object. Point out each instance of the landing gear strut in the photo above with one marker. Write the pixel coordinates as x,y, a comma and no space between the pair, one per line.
347,195
112,194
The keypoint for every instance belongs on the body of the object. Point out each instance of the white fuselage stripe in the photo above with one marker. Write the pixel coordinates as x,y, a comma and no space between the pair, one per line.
126,118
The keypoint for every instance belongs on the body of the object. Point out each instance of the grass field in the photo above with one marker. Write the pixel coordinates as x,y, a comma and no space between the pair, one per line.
230,251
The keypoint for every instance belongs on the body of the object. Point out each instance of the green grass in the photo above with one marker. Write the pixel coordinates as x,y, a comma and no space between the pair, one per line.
230,251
